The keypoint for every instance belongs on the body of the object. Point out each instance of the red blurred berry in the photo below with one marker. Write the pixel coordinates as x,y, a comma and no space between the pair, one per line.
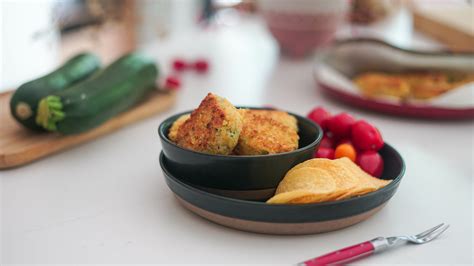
179,65
172,83
371,162
327,142
201,65
320,116
366,137
343,141
327,153
340,125
330,135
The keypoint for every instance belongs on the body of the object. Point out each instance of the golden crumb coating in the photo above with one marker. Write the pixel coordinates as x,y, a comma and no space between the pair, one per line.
267,132
280,116
173,133
420,85
377,84
214,127
427,85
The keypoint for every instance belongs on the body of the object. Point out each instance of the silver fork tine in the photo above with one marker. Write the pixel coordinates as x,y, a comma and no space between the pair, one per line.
435,234
429,231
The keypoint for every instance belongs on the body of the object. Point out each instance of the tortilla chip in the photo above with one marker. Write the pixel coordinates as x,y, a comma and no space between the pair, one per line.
344,179
319,180
310,179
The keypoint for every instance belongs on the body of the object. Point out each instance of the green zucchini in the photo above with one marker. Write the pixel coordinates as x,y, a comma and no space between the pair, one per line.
24,102
99,98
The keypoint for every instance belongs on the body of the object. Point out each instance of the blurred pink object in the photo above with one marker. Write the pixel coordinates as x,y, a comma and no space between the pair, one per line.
300,26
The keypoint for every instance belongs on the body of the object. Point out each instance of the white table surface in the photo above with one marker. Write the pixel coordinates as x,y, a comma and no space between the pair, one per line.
107,202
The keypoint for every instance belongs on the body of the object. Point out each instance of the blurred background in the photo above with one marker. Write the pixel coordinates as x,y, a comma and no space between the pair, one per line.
37,36
107,202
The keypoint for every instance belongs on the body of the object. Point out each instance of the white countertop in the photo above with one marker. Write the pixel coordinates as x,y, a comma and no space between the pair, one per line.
106,201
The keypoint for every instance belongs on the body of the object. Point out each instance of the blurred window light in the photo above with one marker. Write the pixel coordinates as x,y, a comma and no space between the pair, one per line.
227,3
227,17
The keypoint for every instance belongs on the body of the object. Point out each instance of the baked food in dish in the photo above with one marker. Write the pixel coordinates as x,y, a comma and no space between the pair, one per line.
419,85
267,132
214,127
173,133
217,127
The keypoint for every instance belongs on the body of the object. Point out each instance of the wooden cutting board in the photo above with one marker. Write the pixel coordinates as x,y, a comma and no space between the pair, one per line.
19,146
452,25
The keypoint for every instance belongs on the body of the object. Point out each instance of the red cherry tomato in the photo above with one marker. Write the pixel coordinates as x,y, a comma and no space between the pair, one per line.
201,66
366,137
344,141
320,116
172,83
179,65
340,125
327,142
327,153
371,162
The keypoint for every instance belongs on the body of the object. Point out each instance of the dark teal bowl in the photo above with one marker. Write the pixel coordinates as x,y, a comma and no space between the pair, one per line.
232,172
257,216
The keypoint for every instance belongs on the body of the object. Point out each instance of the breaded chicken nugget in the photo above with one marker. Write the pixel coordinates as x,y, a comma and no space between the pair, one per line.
267,132
280,116
173,133
214,127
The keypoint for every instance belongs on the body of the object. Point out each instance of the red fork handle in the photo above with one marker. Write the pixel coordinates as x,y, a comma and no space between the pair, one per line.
343,255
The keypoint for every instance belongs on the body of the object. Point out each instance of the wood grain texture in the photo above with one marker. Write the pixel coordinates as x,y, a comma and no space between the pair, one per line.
19,146
454,28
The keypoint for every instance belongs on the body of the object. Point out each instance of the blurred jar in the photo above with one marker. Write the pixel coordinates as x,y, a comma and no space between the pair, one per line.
107,28
300,26
368,11
29,40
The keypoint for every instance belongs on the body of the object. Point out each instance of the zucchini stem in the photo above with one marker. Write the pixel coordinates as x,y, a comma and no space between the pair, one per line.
23,110
50,112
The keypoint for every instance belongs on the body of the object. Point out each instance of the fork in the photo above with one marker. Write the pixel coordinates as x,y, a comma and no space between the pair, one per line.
342,256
